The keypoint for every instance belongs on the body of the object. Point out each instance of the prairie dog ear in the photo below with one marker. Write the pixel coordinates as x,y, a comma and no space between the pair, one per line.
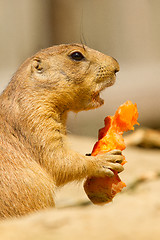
38,65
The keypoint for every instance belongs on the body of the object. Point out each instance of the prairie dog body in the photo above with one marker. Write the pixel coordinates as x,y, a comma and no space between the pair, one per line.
34,156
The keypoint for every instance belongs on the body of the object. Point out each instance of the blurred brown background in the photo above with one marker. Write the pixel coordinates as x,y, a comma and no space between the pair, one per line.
127,30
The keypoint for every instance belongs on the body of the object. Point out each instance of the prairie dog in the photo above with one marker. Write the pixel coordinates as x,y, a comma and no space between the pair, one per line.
34,155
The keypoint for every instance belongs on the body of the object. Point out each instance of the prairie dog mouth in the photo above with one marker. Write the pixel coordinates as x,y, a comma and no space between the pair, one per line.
97,99
102,86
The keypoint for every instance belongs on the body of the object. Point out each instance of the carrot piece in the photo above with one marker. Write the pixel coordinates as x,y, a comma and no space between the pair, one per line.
101,190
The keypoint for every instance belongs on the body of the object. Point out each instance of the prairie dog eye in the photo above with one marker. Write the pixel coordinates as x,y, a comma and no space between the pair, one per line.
77,56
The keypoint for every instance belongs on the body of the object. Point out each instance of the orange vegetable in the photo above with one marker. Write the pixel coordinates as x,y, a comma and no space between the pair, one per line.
101,190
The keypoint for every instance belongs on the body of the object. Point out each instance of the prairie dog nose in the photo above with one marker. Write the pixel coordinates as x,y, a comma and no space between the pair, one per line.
111,64
115,65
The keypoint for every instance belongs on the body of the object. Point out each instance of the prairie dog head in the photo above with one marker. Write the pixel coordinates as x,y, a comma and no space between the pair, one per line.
71,76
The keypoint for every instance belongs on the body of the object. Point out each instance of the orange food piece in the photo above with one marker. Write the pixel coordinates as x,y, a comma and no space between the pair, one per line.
101,190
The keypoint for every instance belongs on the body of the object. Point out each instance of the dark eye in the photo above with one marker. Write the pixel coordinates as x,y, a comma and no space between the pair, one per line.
77,56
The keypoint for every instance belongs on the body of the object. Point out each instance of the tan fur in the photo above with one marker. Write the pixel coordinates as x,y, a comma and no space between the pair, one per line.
34,156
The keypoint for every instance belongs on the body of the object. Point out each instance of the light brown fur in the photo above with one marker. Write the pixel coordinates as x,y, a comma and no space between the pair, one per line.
34,155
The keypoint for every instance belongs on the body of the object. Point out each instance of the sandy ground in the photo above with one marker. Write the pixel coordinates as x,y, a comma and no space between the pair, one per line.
134,214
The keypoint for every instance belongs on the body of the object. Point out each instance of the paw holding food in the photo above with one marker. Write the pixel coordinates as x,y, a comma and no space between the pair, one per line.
101,190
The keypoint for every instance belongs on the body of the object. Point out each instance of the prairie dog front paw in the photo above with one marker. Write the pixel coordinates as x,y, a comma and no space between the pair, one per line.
105,164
